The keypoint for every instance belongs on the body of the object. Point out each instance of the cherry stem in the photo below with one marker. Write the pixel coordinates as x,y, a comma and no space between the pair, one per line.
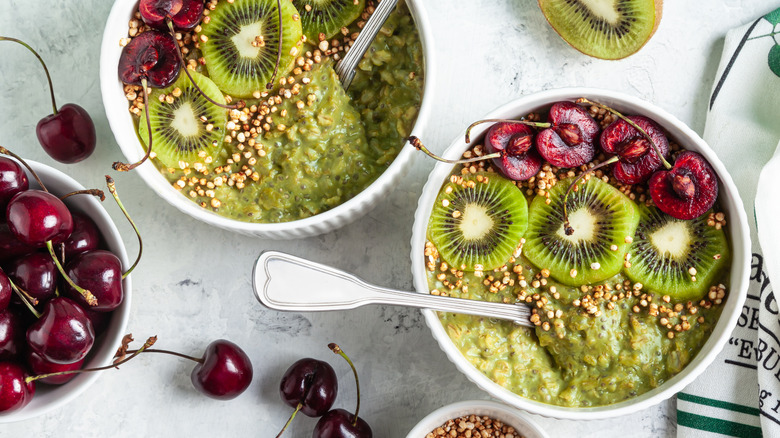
417,143
91,300
566,226
112,189
5,151
45,69
336,349
289,420
26,298
630,122
174,353
270,84
93,192
149,342
240,104
519,122
124,167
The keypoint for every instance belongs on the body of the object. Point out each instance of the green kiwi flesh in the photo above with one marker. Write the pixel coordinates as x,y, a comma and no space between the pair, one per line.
602,218
180,130
606,29
477,221
665,249
327,17
242,42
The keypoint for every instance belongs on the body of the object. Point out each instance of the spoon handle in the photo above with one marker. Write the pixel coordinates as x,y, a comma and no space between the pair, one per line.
345,69
285,282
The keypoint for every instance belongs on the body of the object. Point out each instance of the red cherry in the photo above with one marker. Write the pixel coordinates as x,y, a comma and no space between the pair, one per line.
85,236
151,55
36,217
12,328
36,274
637,158
63,334
12,181
311,383
15,393
569,141
10,246
100,272
5,290
521,160
338,423
225,371
184,14
68,136
686,191
39,365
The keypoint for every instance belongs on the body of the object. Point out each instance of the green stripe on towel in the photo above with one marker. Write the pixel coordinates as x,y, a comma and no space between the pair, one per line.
718,404
716,425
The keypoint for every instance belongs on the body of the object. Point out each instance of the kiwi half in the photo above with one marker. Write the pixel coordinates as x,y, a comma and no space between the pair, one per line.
327,17
606,29
242,42
180,129
604,221
679,258
477,221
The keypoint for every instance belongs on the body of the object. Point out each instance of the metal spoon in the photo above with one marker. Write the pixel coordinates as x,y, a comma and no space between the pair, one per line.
285,282
345,69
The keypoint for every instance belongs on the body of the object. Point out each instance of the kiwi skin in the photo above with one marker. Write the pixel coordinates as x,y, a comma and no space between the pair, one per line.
658,13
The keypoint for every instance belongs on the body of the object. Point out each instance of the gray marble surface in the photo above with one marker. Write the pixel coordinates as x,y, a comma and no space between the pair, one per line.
193,284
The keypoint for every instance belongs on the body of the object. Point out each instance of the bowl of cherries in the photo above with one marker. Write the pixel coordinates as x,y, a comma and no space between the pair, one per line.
64,287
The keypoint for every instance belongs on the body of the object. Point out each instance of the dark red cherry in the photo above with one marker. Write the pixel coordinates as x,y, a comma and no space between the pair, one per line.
225,371
85,236
12,181
5,290
311,383
36,274
35,217
38,365
100,272
686,191
10,246
63,333
152,55
520,161
184,14
15,393
12,328
99,320
637,158
68,135
569,141
338,423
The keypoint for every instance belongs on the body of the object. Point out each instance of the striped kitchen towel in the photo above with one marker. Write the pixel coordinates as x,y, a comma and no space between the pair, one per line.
739,395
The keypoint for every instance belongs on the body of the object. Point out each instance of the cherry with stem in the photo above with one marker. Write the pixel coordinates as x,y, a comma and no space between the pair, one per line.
339,423
68,134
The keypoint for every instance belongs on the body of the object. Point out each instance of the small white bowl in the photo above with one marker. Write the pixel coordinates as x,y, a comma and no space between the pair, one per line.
737,230
121,122
509,416
50,397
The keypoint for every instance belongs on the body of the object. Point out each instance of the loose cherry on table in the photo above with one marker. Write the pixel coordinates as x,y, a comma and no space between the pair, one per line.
15,391
67,135
340,423
310,386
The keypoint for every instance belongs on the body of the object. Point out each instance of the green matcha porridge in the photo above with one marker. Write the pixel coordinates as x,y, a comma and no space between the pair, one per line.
307,145
593,343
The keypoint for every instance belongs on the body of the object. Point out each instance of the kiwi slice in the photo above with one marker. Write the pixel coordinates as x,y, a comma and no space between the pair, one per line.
242,42
606,29
327,17
477,221
604,221
186,126
675,257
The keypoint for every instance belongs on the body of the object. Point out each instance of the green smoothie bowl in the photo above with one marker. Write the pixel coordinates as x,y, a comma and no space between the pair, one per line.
635,272
257,135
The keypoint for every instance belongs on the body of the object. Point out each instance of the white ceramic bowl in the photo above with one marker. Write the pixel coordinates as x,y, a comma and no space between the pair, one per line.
121,123
511,417
737,230
50,397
